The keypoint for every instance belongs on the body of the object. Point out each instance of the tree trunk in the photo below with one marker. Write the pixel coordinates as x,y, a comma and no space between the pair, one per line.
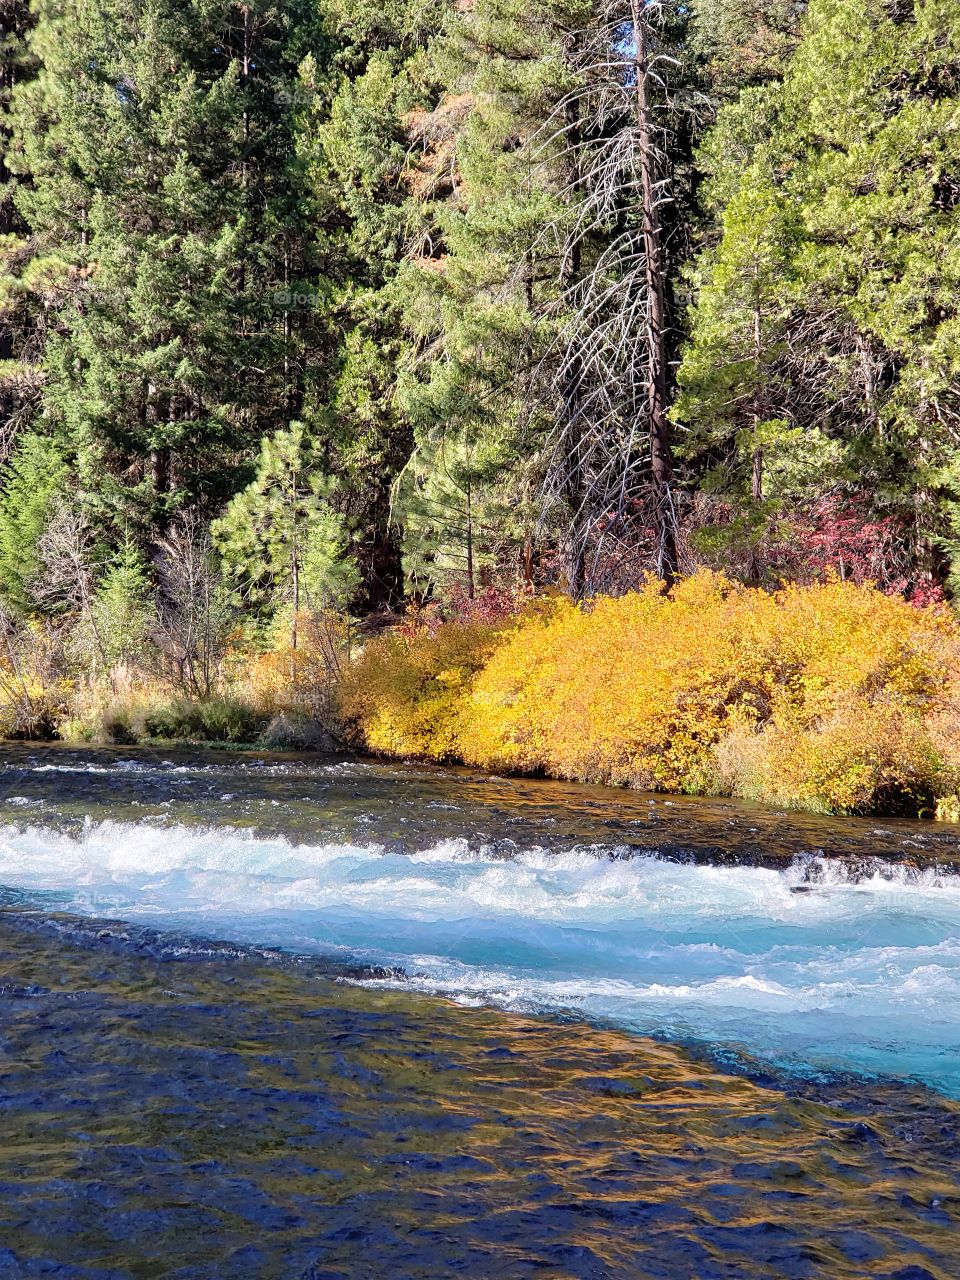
245,68
471,585
754,567
661,453
574,549
295,576
13,23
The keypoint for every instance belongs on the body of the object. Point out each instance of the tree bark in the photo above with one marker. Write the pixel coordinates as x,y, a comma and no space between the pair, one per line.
471,585
754,568
574,548
661,453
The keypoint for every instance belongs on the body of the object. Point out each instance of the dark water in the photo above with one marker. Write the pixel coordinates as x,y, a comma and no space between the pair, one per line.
409,806
218,1115
294,1102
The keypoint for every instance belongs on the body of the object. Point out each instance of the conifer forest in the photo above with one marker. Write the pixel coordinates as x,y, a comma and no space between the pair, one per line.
319,313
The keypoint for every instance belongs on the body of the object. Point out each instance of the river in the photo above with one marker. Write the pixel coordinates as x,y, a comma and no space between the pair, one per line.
326,1017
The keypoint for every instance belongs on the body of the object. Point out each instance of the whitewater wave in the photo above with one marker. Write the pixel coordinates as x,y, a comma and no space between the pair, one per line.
835,965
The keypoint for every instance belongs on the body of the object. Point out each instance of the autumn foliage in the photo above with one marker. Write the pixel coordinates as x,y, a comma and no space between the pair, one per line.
831,697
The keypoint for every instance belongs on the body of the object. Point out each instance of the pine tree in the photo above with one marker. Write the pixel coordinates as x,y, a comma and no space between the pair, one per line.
737,378
15,21
743,42
162,170
31,485
544,298
117,628
354,140
857,178
20,318
481,272
281,540
459,517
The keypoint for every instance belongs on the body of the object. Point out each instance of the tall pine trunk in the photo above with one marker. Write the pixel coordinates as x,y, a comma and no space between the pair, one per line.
661,453
574,549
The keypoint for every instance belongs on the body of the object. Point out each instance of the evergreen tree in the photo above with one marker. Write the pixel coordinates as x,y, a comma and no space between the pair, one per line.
20,318
31,485
743,42
281,539
482,273
544,297
444,254
162,169
15,21
117,627
849,208
354,139
459,518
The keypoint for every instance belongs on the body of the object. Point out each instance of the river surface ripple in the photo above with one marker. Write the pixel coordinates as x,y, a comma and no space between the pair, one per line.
684,1038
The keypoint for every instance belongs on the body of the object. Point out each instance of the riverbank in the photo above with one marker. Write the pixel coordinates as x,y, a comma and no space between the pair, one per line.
832,698
197,1112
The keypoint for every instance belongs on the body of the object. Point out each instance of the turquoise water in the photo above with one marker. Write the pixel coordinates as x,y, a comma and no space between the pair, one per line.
530,901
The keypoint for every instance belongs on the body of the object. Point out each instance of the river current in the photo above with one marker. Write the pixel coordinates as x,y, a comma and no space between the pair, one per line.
677,1037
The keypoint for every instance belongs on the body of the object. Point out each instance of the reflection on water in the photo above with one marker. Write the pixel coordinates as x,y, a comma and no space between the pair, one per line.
171,1112
790,939
298,1102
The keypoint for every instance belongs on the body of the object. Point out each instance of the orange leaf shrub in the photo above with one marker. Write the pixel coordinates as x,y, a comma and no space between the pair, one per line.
831,697
405,693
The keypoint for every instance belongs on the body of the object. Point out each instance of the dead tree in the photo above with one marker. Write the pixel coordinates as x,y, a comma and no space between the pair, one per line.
610,462
193,616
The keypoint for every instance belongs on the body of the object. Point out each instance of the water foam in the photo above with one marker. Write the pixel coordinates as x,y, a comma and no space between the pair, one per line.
810,967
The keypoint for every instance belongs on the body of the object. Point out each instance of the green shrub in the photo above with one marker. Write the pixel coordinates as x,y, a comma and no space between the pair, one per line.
214,720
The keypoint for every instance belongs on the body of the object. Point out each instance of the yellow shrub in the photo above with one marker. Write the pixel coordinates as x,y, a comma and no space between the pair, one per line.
861,758
635,690
831,697
34,689
404,694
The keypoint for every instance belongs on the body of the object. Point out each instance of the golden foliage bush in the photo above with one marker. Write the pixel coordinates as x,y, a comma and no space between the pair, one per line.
116,708
34,688
251,689
831,697
405,693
